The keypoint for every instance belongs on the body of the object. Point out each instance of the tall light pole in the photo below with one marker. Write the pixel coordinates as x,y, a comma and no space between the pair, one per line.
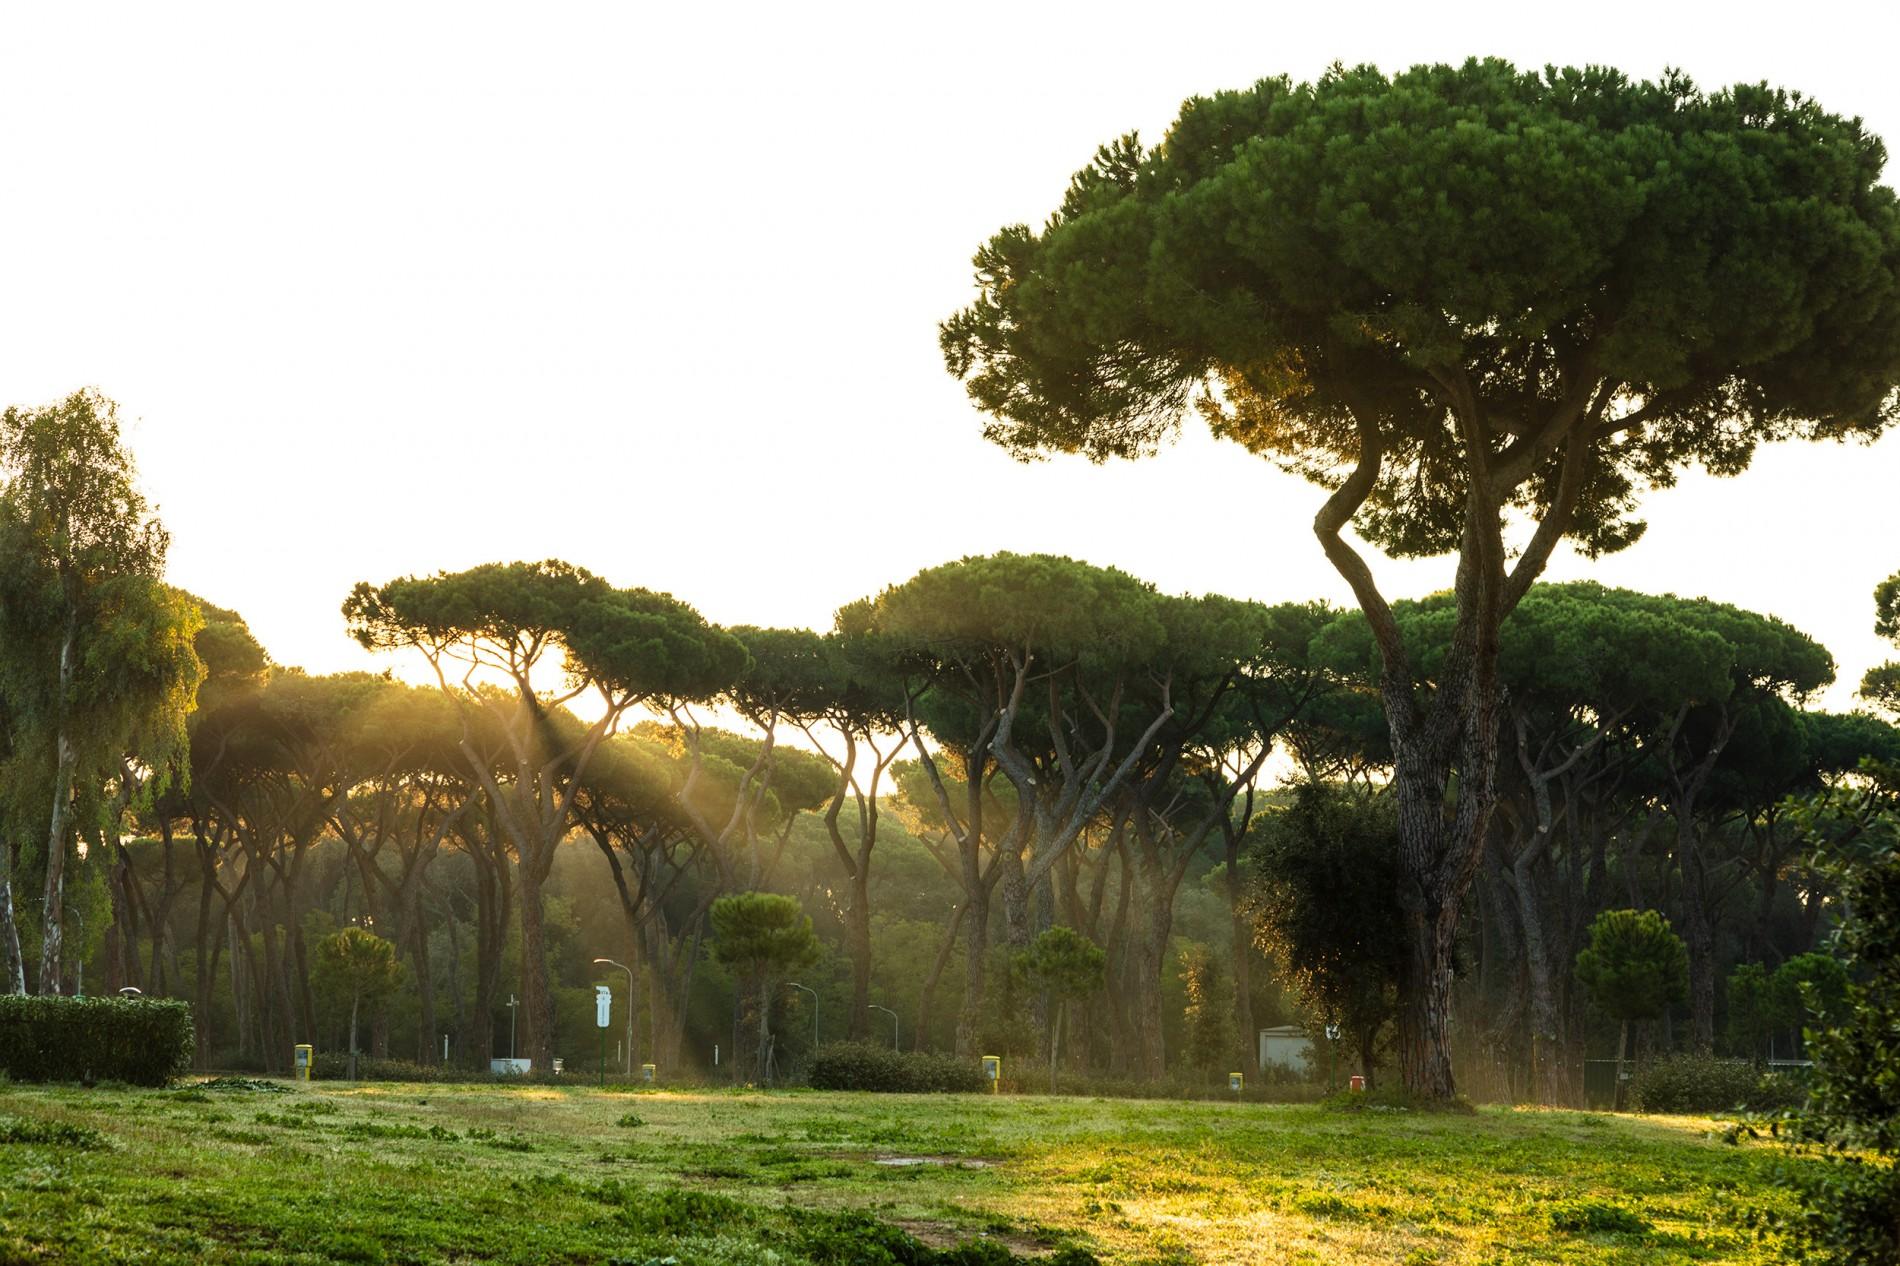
512,1004
623,967
893,1015
814,1010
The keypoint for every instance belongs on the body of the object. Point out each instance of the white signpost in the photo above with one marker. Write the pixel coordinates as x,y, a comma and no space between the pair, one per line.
603,1016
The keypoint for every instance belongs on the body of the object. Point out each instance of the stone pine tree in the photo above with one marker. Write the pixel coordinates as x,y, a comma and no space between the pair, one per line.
1071,967
358,965
1634,968
1484,309
763,937
512,644
97,665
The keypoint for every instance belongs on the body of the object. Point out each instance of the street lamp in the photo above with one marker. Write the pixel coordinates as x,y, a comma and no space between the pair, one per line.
623,967
512,1004
893,1015
814,1010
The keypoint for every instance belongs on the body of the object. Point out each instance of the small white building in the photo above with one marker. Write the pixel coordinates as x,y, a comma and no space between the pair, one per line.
1286,1045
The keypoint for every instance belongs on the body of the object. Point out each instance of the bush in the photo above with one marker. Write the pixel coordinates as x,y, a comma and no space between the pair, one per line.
1596,1217
142,1041
863,1066
1700,1083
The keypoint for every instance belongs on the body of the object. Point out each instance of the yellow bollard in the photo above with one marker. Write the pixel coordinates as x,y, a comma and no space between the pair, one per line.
300,1063
993,1071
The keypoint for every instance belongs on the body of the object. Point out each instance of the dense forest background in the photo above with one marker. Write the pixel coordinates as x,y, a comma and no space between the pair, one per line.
985,751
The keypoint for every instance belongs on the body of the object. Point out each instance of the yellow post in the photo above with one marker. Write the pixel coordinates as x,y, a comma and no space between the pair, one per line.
305,1056
993,1070
647,1071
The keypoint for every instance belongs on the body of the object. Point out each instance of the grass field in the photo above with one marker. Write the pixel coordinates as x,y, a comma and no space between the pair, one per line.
435,1173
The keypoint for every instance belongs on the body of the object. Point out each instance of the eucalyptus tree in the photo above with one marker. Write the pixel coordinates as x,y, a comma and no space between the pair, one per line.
515,626
97,663
1481,308
163,798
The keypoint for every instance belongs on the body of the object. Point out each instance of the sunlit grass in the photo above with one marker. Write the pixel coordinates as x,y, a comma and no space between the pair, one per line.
428,1173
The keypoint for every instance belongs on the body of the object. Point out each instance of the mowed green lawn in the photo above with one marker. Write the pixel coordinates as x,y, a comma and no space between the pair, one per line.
434,1173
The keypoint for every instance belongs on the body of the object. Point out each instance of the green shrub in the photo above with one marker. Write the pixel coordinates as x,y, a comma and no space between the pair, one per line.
50,1133
864,1066
142,1041
1701,1083
854,1238
1597,1217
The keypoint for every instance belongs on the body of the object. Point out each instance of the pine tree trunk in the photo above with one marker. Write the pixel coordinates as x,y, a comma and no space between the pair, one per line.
537,1002
858,940
975,969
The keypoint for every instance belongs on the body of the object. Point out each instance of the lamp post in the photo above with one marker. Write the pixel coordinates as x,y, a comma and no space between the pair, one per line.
814,1010
893,1015
623,967
512,1004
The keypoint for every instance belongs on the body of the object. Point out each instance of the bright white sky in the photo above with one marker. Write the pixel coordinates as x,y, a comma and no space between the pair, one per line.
385,289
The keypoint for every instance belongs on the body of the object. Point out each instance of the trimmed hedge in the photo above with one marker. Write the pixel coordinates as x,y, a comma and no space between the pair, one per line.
1701,1083
864,1066
141,1041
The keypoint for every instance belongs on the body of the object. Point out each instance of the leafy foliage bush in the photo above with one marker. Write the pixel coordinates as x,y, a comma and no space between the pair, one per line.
1702,1083
1596,1217
1848,1205
859,1239
141,1041
50,1133
864,1066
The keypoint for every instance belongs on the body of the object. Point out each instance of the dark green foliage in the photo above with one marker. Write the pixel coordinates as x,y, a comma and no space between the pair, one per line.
1597,1217
1852,1207
865,1066
859,1239
239,1086
1325,902
1702,1083
1065,962
682,1212
144,1042
1359,251
1634,965
762,933
50,1133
